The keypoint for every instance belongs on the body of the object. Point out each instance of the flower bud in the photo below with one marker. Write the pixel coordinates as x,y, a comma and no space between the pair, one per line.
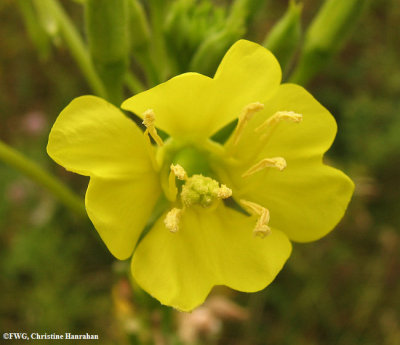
188,24
210,52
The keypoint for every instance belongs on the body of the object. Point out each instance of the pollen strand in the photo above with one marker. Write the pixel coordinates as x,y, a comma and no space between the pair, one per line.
172,219
244,117
149,119
261,228
277,162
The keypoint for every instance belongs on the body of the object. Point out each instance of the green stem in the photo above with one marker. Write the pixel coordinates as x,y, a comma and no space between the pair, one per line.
157,12
16,160
76,46
35,30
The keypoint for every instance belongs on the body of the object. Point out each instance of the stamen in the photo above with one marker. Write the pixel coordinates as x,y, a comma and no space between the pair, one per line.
279,116
261,229
244,117
178,172
172,219
151,151
277,162
149,119
224,192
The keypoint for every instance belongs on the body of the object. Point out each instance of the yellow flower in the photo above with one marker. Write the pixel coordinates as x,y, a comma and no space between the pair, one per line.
269,172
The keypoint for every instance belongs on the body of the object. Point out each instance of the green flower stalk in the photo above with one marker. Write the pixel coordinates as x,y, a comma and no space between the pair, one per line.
158,13
326,35
107,28
47,20
140,46
16,160
35,30
140,34
285,36
72,39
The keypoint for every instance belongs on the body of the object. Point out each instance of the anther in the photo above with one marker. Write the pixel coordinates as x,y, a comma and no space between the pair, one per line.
244,117
276,162
172,219
149,120
261,228
178,172
224,192
279,116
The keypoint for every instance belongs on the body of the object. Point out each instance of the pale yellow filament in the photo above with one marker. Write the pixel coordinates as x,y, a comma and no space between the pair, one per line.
149,120
244,117
261,228
178,172
276,162
279,116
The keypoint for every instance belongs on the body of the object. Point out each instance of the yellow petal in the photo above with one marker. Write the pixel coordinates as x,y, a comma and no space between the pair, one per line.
248,73
183,106
307,199
92,137
119,210
210,248
309,138
193,106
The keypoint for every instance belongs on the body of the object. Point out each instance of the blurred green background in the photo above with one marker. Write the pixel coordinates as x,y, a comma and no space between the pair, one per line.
57,276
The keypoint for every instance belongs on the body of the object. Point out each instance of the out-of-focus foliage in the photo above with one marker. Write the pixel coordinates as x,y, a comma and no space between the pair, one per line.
188,24
344,289
327,34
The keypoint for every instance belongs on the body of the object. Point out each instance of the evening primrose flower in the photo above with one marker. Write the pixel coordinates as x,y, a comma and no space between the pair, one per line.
231,209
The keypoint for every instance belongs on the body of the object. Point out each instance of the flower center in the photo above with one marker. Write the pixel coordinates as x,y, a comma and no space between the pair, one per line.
192,160
197,190
203,191
187,178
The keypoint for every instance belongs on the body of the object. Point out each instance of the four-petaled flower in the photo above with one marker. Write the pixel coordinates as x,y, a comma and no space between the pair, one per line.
267,179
